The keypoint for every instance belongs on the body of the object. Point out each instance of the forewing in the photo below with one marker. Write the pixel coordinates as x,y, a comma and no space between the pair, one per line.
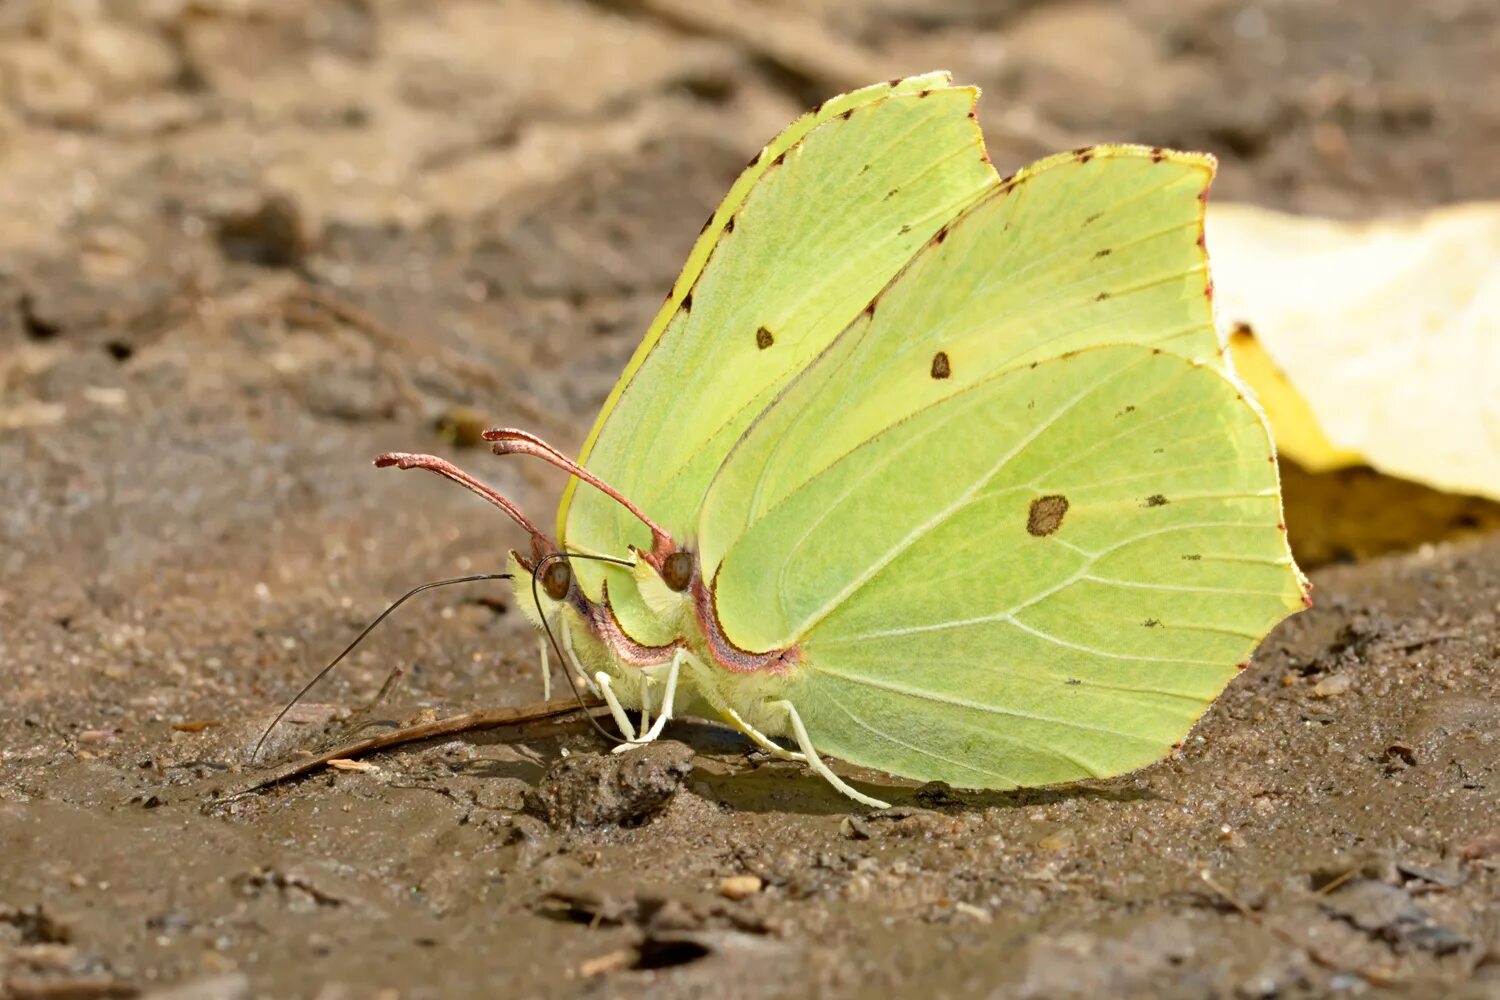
818,223
1043,577
1098,246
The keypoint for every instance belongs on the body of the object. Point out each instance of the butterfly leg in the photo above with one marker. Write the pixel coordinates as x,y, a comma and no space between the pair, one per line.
664,713
816,763
541,648
606,688
583,675
645,681
759,738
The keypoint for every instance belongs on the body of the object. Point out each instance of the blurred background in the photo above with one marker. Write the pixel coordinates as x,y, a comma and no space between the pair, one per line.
245,245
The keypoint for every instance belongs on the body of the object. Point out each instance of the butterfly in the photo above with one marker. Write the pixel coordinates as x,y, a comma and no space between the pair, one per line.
938,472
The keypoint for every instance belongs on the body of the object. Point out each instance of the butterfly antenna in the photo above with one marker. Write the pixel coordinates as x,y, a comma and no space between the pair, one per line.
360,638
509,441
536,597
446,469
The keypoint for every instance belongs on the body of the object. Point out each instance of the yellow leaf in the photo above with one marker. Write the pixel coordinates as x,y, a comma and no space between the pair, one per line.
1375,342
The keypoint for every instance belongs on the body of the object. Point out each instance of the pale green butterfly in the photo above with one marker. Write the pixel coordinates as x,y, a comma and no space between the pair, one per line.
936,472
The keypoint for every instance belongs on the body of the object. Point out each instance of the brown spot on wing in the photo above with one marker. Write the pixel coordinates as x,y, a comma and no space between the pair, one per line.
940,366
763,338
1156,500
1046,515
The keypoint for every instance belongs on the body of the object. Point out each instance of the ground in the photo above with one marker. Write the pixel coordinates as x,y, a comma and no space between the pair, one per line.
245,245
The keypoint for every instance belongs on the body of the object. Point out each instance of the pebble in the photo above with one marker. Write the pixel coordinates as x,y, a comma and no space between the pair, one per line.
1333,686
740,886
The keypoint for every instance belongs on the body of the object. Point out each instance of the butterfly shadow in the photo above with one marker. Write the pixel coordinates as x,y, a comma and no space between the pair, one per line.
747,779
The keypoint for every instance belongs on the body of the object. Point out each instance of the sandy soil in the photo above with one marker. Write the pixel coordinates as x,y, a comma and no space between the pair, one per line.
247,244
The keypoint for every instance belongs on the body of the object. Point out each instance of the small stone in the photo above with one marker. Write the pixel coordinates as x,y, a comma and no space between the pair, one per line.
855,828
1333,686
740,886
1402,752
1059,841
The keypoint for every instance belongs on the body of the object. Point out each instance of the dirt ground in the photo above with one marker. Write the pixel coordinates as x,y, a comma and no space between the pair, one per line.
245,245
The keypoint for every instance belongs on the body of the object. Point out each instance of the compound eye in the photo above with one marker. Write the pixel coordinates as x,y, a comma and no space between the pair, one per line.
677,571
557,579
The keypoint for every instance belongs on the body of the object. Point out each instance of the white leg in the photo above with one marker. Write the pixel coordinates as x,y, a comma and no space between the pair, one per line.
664,714
583,675
541,648
645,701
816,763
760,739
621,719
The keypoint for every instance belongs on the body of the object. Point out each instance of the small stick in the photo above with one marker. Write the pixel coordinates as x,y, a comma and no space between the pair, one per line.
556,711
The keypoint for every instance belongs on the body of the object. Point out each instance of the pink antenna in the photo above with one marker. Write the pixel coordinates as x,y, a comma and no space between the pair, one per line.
446,469
509,441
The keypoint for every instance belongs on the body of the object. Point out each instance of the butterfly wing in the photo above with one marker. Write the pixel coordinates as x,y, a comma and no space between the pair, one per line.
1087,248
817,223
1016,568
